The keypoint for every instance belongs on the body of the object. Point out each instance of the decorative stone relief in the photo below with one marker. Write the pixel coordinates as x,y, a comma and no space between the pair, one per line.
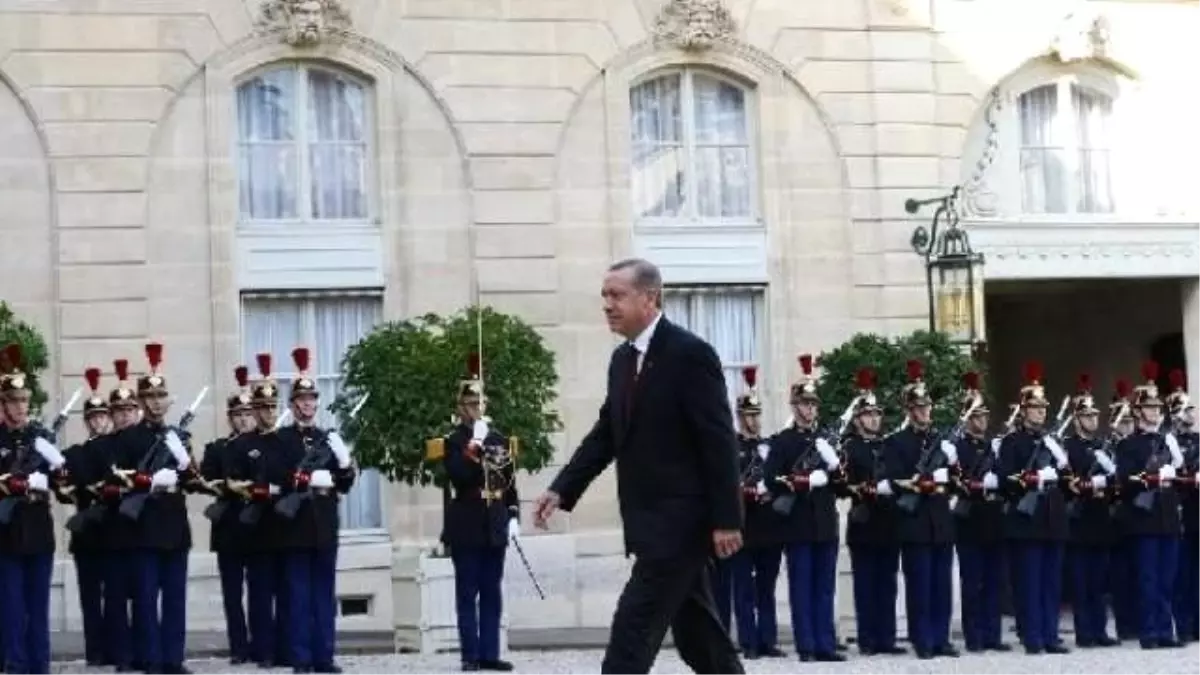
981,200
303,23
1082,36
694,25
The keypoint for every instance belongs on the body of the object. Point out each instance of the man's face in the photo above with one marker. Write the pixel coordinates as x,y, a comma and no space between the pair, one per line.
243,421
1125,426
627,309
98,423
805,412
156,404
304,407
920,415
1150,415
265,414
1035,415
870,422
1088,422
124,417
16,409
977,423
307,16
1187,418
751,423
469,408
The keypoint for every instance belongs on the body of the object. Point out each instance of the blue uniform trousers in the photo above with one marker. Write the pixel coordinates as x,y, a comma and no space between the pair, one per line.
479,601
1039,568
266,586
160,606
874,570
1157,560
927,594
755,572
120,576
720,574
89,576
311,599
1124,594
1089,581
980,575
26,611
1187,588
232,566
812,579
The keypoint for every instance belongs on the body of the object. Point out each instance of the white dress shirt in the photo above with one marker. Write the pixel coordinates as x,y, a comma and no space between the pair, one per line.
642,342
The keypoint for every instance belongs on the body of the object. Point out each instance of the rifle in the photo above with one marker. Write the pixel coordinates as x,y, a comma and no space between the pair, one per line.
60,420
1149,477
972,483
1075,507
1028,503
315,458
751,475
259,490
216,511
157,458
930,460
26,464
804,465
860,512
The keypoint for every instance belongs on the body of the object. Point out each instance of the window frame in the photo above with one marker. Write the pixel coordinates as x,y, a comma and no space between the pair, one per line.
284,370
690,219
302,143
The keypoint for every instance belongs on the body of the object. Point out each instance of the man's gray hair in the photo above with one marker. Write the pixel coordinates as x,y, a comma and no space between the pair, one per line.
646,277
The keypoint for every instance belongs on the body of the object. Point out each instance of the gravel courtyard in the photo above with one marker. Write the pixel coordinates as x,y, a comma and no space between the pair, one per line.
1125,659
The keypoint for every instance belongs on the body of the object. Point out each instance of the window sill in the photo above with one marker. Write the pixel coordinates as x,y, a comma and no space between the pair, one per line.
284,228
699,226
364,536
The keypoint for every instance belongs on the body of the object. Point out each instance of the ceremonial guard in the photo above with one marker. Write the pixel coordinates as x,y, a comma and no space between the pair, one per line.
800,469
156,466
258,461
917,469
86,464
1122,558
226,539
318,472
1182,411
481,518
1147,464
1034,467
32,468
979,523
1091,523
755,568
870,527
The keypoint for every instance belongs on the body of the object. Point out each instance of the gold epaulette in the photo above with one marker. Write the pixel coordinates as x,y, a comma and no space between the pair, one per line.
435,449
514,446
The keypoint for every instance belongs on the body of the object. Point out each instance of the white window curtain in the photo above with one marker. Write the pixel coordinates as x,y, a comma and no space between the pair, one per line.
302,146
731,320
328,326
1065,149
691,149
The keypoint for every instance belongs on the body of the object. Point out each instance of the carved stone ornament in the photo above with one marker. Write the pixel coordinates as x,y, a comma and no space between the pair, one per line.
694,25
1081,37
303,23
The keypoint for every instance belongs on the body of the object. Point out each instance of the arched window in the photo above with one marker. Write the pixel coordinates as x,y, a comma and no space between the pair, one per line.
1066,146
691,149
303,139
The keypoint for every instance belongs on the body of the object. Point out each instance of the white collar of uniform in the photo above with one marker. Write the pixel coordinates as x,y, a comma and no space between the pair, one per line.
642,341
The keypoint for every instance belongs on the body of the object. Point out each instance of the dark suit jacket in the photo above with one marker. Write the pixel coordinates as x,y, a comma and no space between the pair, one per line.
676,451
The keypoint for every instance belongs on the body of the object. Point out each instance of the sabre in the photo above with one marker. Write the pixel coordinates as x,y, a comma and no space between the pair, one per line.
61,419
282,418
186,420
847,415
528,569
358,406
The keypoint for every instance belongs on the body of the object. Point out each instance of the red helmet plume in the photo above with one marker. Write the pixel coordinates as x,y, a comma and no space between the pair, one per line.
914,369
154,353
1150,370
1033,372
750,375
121,368
971,380
92,375
1123,388
12,356
806,363
1084,383
300,358
264,364
1177,378
242,375
473,364
864,379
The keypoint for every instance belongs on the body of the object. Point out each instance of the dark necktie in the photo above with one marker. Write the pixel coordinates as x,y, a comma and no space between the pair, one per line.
631,375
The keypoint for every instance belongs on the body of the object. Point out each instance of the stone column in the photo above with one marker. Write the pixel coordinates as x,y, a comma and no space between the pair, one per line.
1191,331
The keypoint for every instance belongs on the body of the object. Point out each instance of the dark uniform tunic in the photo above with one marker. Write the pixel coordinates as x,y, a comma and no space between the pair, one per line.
1092,536
1187,591
874,551
980,541
227,542
86,467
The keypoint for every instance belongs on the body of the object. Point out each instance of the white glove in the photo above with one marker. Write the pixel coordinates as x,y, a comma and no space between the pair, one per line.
1047,475
177,450
996,445
763,450
479,431
514,529
338,446
1060,457
827,453
818,479
321,478
164,478
950,452
760,488
990,482
273,489
39,482
1099,482
884,488
941,476
1166,473
49,453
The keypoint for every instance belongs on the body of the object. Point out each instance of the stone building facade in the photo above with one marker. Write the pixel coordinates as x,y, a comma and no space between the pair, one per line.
232,176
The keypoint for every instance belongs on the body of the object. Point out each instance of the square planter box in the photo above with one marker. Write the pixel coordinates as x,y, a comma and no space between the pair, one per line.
423,593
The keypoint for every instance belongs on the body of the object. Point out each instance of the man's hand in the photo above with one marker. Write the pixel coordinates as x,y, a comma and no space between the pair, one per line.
544,507
726,542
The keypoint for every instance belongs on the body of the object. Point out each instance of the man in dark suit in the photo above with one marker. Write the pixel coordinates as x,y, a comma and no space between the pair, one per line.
667,422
